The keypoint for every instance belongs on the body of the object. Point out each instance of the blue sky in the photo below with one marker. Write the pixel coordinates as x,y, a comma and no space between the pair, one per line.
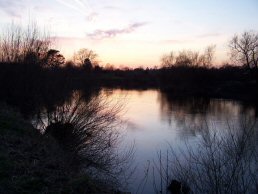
136,32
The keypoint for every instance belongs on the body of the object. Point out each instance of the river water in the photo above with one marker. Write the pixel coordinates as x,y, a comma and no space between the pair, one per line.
156,122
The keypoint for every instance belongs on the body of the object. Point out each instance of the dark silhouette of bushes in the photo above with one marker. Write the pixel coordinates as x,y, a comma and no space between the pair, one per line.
34,163
87,128
225,82
31,84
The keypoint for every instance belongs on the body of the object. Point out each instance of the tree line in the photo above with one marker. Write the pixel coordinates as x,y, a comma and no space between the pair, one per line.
30,64
30,45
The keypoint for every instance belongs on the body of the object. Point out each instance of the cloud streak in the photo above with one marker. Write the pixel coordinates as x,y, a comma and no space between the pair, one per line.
80,6
103,34
69,5
76,5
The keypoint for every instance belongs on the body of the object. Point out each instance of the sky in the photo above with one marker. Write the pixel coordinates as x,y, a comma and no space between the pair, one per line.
135,32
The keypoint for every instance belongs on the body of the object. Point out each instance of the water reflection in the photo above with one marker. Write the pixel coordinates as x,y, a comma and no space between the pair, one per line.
190,115
219,162
155,121
87,127
159,121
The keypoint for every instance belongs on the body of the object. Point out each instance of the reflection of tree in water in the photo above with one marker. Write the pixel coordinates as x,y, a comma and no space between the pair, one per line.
220,162
189,114
87,128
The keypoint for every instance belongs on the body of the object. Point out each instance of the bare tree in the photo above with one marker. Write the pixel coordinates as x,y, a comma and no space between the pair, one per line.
23,44
88,129
109,67
244,49
11,43
207,57
189,58
83,54
168,60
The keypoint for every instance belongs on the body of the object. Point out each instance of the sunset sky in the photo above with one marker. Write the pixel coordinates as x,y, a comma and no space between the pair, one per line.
136,32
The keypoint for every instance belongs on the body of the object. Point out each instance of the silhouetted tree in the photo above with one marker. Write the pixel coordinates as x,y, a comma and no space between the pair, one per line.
83,54
97,68
189,58
87,65
244,49
168,61
109,67
54,59
207,57
31,58
69,64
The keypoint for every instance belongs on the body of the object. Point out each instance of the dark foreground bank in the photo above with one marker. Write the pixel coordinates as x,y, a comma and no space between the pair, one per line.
33,163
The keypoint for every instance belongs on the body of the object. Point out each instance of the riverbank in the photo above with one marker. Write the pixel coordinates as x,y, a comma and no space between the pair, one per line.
33,163
25,82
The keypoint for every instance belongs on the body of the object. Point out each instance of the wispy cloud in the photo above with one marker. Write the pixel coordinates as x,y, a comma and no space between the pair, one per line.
102,34
81,7
77,5
81,3
69,5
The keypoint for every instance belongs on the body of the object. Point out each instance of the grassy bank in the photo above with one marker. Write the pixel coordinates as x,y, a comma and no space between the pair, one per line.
33,163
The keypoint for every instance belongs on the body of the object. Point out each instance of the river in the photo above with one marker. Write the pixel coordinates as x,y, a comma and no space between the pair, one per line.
156,122
156,125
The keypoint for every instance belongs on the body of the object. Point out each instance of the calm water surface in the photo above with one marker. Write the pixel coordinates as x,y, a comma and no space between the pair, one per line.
154,121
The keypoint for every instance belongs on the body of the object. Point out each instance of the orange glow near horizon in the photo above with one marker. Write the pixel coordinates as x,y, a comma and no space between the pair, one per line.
131,53
136,33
